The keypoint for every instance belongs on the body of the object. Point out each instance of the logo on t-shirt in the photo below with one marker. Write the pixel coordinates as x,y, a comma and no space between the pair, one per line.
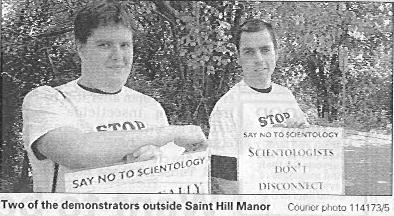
127,125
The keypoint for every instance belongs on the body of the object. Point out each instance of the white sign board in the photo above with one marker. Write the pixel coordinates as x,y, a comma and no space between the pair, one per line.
291,161
186,174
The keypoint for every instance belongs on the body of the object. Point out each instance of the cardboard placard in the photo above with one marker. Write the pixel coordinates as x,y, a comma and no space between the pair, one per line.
186,174
292,161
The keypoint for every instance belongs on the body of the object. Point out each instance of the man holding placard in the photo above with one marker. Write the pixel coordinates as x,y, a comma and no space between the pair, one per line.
258,53
256,134
269,104
96,121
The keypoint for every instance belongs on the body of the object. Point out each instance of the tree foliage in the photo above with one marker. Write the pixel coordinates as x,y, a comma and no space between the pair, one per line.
335,56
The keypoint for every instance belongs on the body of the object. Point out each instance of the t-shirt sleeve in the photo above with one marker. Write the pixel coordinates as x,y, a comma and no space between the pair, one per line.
43,110
223,133
161,115
300,116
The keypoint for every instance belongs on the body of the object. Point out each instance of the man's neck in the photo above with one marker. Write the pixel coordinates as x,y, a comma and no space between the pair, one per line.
95,87
265,85
264,90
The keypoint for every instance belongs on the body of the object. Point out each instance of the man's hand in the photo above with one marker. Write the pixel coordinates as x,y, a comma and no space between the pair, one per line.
144,153
188,136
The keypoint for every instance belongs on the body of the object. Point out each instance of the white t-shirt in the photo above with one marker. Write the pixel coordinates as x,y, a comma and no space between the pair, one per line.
45,109
243,109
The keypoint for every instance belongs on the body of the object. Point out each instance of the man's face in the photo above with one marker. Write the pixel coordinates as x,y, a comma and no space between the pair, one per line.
257,57
107,57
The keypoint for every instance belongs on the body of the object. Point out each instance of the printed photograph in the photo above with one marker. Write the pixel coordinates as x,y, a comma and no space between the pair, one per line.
197,97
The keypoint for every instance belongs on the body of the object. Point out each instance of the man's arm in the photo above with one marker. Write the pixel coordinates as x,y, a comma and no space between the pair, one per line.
72,148
50,129
299,119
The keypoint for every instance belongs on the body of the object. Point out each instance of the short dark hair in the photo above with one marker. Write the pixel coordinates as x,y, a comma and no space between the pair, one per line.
255,25
97,14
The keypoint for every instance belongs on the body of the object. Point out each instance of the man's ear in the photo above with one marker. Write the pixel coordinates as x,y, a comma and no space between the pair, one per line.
238,55
79,47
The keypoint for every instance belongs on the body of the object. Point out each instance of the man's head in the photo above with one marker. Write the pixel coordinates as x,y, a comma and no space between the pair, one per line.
257,48
94,15
103,34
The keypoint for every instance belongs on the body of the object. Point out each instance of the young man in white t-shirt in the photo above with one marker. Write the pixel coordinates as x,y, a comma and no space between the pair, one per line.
96,121
254,103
